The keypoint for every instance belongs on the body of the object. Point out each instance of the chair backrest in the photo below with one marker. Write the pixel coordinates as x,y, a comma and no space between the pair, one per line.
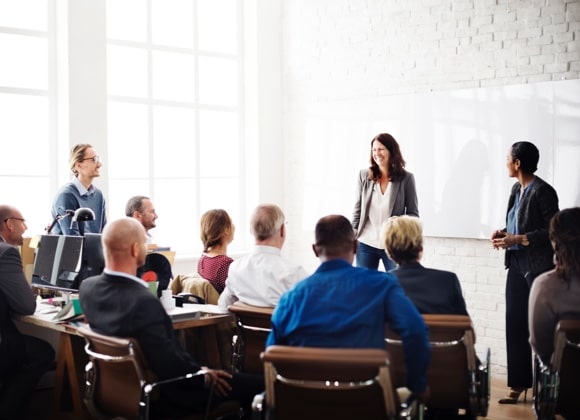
306,382
254,325
115,375
456,378
556,386
195,285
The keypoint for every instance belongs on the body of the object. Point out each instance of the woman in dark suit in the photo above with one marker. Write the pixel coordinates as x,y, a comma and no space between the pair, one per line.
432,291
531,205
385,189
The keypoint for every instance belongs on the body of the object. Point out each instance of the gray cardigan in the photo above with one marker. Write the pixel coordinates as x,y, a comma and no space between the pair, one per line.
403,197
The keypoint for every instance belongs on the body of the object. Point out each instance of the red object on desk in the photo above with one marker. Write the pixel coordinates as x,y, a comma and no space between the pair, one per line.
149,276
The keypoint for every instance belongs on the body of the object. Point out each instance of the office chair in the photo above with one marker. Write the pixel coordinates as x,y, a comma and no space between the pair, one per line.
253,327
119,383
456,378
159,264
328,383
556,386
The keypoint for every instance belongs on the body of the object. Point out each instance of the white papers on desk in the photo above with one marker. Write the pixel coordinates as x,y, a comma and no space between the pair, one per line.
193,311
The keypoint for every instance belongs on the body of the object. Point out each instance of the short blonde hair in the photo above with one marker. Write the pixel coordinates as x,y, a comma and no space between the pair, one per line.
402,237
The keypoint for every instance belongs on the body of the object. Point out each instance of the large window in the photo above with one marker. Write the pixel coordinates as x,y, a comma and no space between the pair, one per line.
26,103
174,71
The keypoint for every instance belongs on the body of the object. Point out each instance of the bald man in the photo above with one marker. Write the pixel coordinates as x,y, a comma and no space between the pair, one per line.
120,304
23,359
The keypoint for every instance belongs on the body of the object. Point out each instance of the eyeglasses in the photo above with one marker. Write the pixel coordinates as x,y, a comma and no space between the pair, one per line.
96,159
15,218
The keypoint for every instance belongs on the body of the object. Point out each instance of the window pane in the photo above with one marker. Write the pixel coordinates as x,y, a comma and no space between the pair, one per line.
24,61
24,14
218,144
172,23
34,204
173,76
178,224
220,37
24,131
127,71
127,20
218,81
120,190
128,140
174,141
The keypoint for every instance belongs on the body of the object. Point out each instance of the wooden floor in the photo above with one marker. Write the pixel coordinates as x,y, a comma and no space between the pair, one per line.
42,403
520,411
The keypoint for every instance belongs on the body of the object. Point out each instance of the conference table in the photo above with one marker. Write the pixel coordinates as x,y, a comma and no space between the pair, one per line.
71,357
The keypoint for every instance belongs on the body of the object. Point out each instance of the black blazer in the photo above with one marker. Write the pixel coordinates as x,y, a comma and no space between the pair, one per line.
537,207
432,291
119,306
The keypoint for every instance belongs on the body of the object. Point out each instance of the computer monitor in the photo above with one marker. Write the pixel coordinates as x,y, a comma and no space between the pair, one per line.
57,261
92,259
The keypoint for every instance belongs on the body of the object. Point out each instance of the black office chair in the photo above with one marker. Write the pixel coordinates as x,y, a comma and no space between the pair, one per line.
161,266
556,385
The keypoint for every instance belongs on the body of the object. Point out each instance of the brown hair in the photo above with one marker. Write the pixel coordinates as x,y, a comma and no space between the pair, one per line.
565,237
396,161
214,224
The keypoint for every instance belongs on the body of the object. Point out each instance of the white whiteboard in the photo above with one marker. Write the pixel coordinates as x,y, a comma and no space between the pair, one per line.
455,143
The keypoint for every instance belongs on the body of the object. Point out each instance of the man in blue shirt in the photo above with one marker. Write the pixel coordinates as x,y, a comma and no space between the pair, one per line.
345,306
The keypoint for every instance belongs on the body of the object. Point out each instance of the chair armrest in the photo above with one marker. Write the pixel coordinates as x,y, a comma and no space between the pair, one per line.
150,387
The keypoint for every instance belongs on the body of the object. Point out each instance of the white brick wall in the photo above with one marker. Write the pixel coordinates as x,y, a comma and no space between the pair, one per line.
354,49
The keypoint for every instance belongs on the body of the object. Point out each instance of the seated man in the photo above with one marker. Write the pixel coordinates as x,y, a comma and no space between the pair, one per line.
432,291
142,209
261,277
120,304
345,306
23,359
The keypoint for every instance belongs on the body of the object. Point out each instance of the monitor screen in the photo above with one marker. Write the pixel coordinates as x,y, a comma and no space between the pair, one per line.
92,260
57,260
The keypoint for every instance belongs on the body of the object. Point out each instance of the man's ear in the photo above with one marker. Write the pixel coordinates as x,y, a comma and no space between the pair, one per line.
315,250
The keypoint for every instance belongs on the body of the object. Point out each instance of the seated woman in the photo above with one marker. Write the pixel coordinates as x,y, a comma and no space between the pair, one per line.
432,291
556,293
217,232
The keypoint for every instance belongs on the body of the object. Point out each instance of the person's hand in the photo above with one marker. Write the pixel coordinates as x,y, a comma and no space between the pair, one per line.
221,386
497,234
506,241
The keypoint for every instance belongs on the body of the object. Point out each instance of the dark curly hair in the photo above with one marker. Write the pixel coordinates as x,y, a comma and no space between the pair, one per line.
565,237
396,161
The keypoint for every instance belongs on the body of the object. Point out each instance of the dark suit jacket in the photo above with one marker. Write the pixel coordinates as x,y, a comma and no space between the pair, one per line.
16,297
119,306
537,207
432,291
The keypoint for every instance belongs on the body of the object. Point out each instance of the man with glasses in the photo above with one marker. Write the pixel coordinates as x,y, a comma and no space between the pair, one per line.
85,164
23,359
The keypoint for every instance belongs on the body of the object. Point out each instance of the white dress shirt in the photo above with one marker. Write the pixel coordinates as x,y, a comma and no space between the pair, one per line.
260,278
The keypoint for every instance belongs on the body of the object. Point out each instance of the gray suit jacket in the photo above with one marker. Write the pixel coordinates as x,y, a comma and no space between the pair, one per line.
403,195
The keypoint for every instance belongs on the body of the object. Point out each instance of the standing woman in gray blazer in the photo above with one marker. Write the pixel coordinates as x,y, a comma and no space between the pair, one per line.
385,189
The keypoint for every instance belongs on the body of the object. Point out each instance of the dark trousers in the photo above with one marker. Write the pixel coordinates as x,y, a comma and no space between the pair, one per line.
369,257
517,292
19,379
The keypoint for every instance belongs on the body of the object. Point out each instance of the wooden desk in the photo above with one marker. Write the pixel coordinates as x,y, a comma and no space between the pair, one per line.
71,357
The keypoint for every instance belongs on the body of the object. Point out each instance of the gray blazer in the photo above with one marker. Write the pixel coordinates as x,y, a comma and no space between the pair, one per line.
403,195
